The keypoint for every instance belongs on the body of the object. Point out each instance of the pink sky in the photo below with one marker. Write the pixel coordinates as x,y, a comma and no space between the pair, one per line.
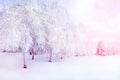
101,17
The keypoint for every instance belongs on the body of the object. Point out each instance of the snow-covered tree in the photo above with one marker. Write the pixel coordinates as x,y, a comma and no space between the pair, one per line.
27,28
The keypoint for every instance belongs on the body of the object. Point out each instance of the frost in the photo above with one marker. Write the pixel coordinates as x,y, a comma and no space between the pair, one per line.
44,25
23,27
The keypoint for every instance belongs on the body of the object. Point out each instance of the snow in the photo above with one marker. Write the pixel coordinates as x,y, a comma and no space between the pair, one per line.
24,26
63,29
71,68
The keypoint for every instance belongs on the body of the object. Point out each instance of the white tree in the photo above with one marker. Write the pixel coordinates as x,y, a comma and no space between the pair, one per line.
37,29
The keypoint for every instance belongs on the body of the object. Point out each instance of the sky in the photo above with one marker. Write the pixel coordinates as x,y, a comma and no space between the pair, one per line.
95,10
100,17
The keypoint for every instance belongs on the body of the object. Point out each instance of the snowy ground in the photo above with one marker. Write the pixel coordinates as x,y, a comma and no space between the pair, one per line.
74,68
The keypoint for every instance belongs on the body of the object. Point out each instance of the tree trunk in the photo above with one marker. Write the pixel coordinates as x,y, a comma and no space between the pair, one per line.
33,55
50,58
24,61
